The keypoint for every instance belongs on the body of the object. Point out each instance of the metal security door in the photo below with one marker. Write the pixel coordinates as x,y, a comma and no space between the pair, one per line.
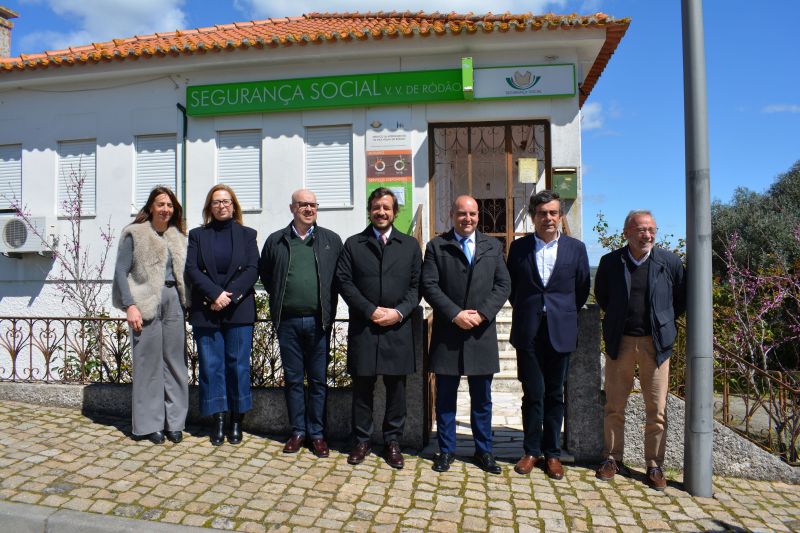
483,160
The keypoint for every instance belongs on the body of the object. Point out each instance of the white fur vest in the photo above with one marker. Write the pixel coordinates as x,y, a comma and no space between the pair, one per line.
148,268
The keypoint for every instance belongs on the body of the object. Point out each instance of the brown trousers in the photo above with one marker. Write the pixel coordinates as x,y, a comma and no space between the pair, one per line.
618,384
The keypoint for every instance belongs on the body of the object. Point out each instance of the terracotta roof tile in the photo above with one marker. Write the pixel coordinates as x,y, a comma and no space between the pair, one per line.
318,28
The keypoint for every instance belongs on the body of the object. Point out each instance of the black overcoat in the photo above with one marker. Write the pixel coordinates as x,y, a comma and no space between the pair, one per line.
449,285
369,275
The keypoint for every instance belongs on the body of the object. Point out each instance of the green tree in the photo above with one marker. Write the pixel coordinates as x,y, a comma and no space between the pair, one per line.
764,222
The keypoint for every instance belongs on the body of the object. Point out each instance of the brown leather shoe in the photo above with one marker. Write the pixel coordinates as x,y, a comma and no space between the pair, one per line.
294,443
359,453
392,455
320,448
607,470
526,464
656,479
553,468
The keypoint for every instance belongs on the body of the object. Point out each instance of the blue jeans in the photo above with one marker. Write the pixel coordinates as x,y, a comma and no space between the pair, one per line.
480,395
224,355
304,355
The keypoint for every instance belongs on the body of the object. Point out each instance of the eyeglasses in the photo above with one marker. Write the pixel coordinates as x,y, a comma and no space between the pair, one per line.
643,231
303,205
223,203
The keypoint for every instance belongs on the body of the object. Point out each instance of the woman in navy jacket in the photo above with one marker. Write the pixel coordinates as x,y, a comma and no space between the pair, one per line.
222,267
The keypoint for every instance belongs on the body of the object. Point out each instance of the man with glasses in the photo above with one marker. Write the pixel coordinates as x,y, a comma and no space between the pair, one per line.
641,289
297,268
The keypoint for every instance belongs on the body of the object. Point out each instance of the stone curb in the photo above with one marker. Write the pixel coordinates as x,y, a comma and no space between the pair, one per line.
24,518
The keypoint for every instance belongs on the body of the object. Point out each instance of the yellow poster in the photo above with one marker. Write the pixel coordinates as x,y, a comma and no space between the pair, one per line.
528,169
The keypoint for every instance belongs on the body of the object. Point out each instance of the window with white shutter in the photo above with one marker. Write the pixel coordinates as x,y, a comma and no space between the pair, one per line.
76,175
155,166
10,175
239,165
329,165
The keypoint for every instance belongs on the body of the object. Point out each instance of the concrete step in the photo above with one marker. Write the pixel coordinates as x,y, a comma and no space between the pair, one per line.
503,381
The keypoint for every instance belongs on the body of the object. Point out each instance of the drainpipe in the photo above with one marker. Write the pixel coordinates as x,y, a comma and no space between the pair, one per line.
183,159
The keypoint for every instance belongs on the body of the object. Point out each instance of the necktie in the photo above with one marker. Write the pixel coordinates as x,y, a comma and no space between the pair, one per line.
384,239
465,247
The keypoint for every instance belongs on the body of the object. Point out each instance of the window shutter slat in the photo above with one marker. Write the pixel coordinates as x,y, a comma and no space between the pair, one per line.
77,158
155,166
329,165
239,165
10,175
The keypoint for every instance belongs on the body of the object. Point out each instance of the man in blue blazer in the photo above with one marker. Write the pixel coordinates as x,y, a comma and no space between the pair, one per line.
549,284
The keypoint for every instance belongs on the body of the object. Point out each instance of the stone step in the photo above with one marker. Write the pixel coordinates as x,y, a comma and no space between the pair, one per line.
503,381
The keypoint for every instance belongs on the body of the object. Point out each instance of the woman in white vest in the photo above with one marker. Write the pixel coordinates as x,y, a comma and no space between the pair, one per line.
149,287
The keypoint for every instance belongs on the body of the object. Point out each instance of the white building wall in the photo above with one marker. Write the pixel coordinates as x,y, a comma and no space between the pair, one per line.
116,109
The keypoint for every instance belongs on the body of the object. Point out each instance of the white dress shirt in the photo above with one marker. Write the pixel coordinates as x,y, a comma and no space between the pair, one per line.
546,256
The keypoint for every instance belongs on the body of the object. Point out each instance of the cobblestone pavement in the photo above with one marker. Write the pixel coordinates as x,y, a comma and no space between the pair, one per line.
60,458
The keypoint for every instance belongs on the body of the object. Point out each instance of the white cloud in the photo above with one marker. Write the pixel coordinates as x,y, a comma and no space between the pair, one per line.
103,20
592,116
258,9
781,108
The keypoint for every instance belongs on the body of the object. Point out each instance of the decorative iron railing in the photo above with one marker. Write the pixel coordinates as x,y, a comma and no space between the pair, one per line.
97,350
762,405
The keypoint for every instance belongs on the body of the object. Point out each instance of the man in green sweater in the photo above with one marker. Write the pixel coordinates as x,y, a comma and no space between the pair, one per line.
297,269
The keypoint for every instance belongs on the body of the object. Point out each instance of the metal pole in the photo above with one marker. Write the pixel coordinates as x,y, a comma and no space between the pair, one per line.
698,437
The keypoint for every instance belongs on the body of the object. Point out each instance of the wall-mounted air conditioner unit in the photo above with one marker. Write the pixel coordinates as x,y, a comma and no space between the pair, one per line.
16,237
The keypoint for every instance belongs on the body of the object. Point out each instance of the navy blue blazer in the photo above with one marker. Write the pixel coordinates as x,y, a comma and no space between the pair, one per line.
206,284
565,293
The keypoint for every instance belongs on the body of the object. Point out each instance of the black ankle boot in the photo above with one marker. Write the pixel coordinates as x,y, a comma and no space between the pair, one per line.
235,432
217,428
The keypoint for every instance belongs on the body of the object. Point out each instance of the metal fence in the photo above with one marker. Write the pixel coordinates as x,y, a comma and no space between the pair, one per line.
98,350
760,404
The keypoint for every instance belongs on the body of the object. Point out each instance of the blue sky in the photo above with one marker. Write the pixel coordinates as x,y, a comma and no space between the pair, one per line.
633,140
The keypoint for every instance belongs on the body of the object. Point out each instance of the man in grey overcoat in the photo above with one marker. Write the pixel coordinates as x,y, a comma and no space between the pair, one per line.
465,280
378,276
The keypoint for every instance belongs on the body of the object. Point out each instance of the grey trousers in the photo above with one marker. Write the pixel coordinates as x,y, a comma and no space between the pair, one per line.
160,377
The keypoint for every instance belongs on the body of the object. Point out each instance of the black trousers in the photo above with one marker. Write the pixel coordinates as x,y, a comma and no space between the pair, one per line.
542,371
394,419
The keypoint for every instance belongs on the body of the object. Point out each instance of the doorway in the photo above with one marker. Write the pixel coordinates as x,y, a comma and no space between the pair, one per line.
497,163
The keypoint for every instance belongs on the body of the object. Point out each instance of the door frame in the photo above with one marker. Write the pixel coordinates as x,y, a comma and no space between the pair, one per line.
548,153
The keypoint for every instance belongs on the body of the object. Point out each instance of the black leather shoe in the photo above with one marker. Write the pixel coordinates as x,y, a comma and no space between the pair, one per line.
486,462
217,429
392,455
442,461
235,431
155,438
174,436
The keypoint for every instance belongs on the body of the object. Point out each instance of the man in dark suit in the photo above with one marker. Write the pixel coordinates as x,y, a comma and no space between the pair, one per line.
464,279
642,291
549,284
378,277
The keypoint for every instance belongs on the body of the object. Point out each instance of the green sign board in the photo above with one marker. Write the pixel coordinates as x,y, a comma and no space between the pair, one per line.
384,88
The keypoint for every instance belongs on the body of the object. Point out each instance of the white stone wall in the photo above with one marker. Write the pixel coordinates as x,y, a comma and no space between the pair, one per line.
114,103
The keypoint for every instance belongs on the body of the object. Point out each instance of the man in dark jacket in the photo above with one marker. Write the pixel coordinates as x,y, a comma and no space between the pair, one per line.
297,268
378,277
642,291
549,285
464,279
